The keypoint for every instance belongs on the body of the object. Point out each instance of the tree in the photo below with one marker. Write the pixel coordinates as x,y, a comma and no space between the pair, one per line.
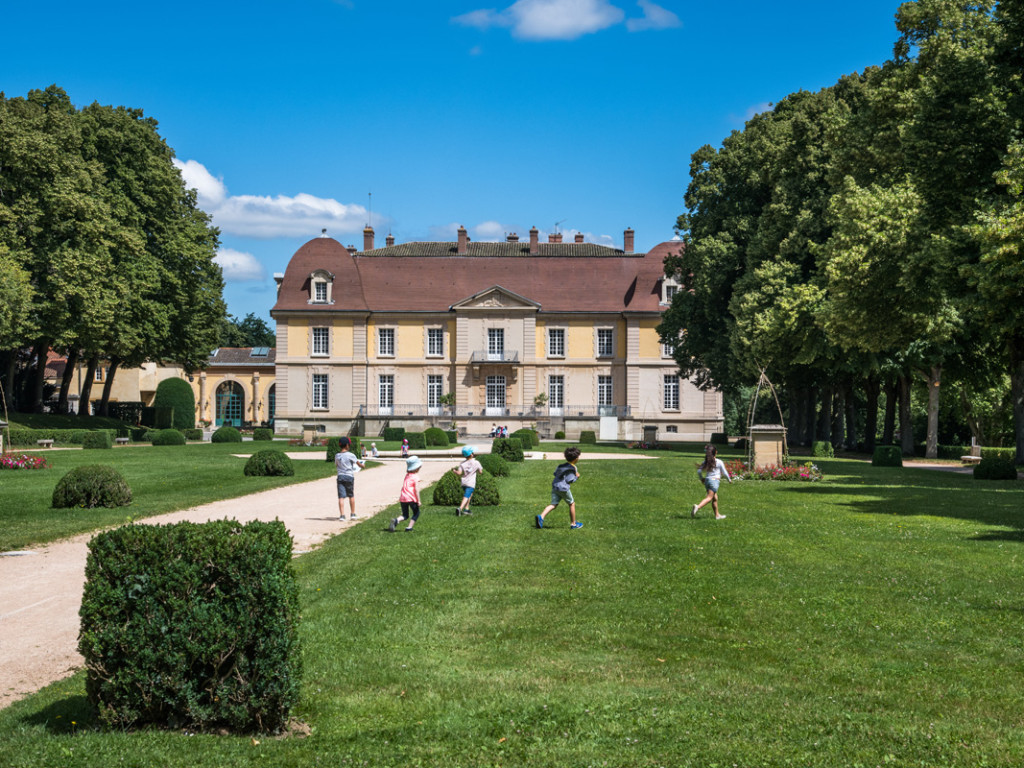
250,331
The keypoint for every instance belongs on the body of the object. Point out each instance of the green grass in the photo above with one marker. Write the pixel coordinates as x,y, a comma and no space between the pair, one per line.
872,619
162,479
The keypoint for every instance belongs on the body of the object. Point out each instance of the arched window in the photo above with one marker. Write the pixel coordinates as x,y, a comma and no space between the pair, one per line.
271,403
230,404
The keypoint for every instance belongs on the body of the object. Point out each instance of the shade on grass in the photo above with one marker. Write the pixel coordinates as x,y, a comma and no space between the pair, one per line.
870,619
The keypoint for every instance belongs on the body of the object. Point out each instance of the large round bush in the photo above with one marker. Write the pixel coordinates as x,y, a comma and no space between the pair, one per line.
177,394
168,437
448,491
436,437
263,434
91,486
495,464
269,463
528,437
226,435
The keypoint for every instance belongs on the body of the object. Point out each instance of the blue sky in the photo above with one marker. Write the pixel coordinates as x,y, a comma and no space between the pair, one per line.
497,116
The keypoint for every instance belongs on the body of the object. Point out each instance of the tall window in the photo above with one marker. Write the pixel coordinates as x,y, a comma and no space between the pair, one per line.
556,342
435,389
385,342
605,342
435,342
604,390
98,375
321,341
320,391
670,291
386,392
496,394
671,393
495,343
556,392
320,292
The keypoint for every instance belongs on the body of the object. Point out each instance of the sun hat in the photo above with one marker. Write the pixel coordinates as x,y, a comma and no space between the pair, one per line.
413,463
468,450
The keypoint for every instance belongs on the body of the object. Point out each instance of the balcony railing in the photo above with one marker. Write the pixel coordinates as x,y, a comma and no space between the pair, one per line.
419,410
481,356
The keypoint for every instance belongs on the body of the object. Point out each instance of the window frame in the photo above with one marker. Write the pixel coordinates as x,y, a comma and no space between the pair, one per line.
321,384
390,331
670,381
325,338
434,333
599,333
552,352
605,386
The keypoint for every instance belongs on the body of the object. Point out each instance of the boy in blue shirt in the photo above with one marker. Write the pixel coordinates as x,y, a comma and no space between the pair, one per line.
565,475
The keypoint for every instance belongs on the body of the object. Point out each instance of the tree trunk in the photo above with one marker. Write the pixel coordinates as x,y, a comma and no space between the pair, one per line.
810,414
889,423
108,385
871,389
8,383
851,418
39,375
972,421
906,429
794,424
1017,393
839,416
66,379
825,417
931,450
90,375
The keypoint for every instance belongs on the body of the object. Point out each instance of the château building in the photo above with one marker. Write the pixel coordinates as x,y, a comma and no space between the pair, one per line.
557,335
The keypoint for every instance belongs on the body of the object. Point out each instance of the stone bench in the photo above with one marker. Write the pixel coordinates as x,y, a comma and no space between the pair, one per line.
121,440
970,459
45,443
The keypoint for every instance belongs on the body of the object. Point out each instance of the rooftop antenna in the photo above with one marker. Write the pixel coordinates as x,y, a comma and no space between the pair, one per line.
557,223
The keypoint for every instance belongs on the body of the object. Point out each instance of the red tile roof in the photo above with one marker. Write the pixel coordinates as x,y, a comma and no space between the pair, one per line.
425,277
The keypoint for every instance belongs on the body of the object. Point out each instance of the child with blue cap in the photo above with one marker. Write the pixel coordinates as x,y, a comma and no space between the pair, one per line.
467,471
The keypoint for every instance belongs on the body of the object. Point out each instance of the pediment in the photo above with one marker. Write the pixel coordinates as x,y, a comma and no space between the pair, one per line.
496,297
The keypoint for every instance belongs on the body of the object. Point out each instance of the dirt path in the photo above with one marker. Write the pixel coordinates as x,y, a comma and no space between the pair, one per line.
41,588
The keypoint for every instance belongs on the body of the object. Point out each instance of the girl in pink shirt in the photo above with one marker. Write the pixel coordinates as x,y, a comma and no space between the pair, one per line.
409,498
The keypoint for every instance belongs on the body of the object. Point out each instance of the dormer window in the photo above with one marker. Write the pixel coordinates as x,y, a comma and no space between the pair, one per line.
669,288
321,283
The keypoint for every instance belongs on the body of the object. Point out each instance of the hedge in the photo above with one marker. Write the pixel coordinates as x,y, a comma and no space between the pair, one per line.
269,463
192,434
28,437
192,626
262,434
95,485
588,437
435,437
559,435
719,438
495,464
1006,453
527,437
226,435
509,448
995,467
452,435
448,491
177,394
887,456
99,440
168,437
332,447
394,434
417,441
824,449
126,410
158,418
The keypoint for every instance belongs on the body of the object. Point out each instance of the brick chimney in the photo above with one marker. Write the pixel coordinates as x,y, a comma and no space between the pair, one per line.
368,238
555,237
463,241
389,240
351,250
627,240
579,237
512,238
534,241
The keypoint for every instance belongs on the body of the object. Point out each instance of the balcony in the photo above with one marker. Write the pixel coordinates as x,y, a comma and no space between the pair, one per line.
420,410
482,357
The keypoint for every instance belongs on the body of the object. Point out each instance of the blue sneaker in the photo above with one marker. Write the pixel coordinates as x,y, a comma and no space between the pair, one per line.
540,521
575,525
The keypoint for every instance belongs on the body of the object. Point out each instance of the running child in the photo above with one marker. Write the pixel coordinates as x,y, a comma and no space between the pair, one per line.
565,475
347,464
409,498
467,472
710,472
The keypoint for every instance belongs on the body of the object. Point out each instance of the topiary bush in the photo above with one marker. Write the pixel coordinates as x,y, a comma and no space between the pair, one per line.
509,448
262,434
394,434
192,434
495,464
559,435
717,438
168,437
824,449
436,437
1006,453
192,626
887,456
91,486
332,448
742,444
995,468
417,442
97,440
177,394
527,437
226,434
588,437
269,463
448,491
452,435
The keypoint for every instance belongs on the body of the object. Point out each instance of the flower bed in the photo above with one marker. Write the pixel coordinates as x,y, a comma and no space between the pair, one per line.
22,461
788,470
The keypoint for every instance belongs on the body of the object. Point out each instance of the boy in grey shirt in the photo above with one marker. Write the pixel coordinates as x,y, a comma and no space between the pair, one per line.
347,464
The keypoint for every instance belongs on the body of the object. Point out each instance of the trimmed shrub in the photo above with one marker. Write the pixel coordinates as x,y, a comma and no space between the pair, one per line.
953,452
177,394
192,626
588,437
448,491
262,434
158,418
559,435
887,456
27,437
995,468
168,437
226,435
436,437
824,449
332,448
452,435
91,486
126,410
138,434
741,444
719,438
269,463
192,434
509,448
1006,453
98,440
417,442
527,437
495,464
394,434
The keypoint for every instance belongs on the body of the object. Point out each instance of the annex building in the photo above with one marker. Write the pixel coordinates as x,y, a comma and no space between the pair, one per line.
556,335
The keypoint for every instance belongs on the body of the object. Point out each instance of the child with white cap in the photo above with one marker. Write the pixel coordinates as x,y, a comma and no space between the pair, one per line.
409,498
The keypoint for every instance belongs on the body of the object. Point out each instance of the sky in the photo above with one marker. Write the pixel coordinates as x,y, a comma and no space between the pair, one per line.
417,116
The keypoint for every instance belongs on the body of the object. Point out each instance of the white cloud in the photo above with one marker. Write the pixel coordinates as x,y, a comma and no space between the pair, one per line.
489,231
263,216
239,267
655,17
547,19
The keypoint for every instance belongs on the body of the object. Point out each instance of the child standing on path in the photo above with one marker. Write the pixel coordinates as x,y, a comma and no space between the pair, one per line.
409,498
347,464
405,447
565,475
710,472
467,471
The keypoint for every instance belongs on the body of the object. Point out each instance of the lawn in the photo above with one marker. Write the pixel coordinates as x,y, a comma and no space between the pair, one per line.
162,479
871,619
